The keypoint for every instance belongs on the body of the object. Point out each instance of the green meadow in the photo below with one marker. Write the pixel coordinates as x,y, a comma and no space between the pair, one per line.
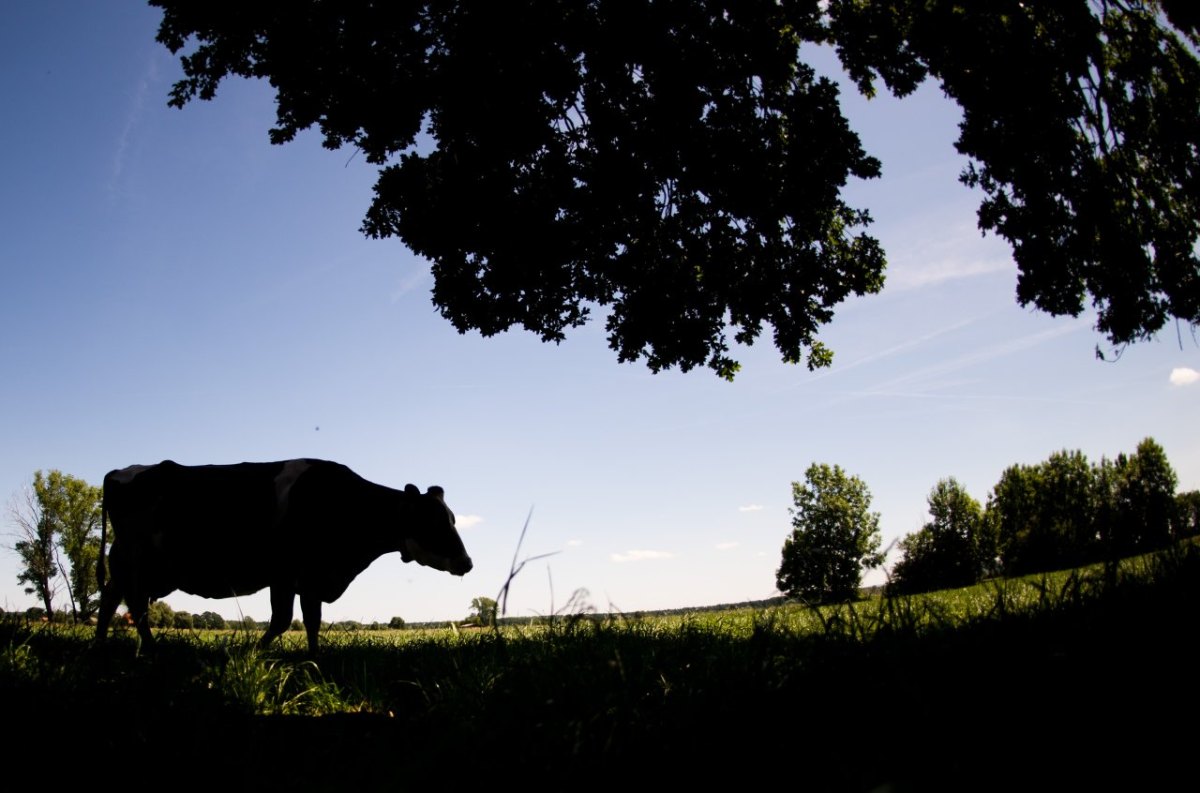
1062,681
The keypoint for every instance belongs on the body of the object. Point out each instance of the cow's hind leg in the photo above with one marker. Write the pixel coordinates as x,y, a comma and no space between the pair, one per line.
110,598
139,610
310,606
113,591
282,600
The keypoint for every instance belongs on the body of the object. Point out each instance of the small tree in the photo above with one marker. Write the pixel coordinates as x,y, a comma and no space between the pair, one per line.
834,536
209,620
73,507
1046,515
1146,501
58,520
396,623
1187,514
483,611
949,551
36,548
161,615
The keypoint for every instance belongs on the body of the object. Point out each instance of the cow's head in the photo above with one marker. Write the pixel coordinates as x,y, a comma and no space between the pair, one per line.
430,537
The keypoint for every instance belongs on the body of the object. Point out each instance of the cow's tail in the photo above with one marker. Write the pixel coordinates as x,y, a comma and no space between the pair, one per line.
100,571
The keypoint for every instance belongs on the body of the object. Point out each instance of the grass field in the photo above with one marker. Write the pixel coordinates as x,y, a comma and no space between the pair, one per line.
1062,682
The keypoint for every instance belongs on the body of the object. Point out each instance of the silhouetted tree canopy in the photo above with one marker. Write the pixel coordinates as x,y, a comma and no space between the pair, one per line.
679,164
1187,514
1138,500
1045,514
1064,511
953,549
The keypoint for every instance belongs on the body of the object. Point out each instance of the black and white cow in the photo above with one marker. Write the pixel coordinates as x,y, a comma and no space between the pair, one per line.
300,527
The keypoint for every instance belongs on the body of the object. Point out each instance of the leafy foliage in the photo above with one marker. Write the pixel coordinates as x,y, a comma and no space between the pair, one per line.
673,162
954,549
1082,123
73,508
1187,514
36,550
1063,511
59,517
161,615
209,620
1139,504
679,165
834,535
1044,514
483,611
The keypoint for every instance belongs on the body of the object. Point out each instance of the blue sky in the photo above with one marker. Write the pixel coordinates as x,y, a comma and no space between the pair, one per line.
176,287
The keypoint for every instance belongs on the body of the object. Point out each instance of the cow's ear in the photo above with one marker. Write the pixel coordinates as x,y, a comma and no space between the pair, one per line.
412,490
437,493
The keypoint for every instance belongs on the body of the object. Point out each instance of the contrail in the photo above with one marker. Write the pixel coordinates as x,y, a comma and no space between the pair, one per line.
132,118
987,354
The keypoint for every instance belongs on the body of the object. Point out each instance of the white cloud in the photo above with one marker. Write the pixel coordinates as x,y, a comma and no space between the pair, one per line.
467,521
725,546
750,508
1184,376
574,543
641,556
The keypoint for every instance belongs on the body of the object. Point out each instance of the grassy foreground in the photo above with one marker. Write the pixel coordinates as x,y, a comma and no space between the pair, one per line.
1063,682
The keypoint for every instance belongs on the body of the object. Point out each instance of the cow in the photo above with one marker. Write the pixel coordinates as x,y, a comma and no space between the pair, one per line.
300,527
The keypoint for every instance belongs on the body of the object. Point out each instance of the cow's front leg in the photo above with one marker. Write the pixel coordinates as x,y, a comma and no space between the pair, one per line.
282,600
310,606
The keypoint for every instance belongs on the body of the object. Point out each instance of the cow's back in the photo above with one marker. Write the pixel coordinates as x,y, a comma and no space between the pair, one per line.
210,530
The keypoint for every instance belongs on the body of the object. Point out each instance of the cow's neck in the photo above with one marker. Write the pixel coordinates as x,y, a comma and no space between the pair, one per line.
387,513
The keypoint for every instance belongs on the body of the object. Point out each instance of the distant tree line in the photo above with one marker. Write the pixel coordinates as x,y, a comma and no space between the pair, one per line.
163,616
1060,513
